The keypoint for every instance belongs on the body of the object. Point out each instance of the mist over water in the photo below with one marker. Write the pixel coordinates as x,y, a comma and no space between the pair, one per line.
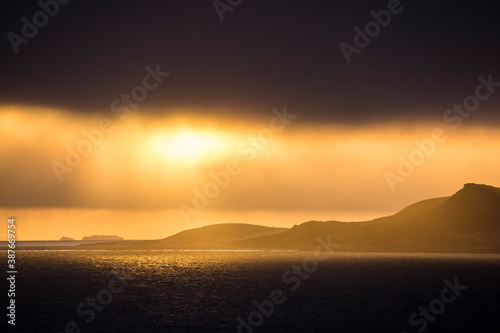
206,291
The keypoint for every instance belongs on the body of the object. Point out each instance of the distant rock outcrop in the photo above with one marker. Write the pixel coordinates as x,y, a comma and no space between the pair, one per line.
102,238
66,239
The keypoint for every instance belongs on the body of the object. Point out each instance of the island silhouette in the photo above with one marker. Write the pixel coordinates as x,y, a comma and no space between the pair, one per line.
468,221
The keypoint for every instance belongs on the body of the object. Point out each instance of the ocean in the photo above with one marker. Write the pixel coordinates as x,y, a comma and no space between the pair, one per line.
253,291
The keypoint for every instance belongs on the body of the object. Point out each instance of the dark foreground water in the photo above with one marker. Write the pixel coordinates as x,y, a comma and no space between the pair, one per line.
206,291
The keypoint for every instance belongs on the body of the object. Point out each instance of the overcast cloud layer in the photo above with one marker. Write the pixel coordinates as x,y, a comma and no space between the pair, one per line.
264,53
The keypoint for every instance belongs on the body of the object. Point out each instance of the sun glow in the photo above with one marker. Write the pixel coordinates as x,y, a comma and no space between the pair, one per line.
189,146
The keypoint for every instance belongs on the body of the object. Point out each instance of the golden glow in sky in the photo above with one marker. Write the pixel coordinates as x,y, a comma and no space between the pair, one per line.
188,145
153,165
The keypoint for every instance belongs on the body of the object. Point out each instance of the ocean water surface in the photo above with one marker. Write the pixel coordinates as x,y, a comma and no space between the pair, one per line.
207,291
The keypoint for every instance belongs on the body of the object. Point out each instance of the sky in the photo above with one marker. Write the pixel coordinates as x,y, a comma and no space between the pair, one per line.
143,119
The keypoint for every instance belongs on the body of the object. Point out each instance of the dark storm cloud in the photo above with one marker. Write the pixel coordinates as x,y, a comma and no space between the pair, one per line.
264,53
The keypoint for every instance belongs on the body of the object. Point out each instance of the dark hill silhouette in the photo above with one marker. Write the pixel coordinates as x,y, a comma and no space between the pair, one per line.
468,221
217,236
472,208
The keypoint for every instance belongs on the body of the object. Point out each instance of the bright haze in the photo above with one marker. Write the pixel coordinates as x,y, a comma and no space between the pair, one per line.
142,119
